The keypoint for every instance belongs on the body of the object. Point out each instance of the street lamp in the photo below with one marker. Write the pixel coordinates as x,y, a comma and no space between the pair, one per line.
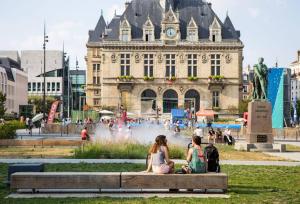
76,85
44,75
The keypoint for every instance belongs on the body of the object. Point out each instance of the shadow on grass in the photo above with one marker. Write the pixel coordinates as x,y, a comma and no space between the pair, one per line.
251,190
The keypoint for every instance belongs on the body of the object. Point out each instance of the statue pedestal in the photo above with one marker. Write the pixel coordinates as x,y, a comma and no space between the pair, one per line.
259,136
259,129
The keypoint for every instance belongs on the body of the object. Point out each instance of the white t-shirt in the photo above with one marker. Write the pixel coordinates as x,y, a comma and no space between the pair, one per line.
198,132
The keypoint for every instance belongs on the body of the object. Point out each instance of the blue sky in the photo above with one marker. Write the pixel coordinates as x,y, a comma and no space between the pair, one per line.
269,28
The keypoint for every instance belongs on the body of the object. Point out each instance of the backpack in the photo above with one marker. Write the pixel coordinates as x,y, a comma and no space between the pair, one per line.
212,156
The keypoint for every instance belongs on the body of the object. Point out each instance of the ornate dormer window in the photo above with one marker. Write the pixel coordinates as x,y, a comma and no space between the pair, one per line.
148,31
192,31
125,31
215,31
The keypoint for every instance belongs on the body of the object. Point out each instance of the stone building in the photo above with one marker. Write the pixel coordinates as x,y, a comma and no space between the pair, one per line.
13,83
295,81
171,53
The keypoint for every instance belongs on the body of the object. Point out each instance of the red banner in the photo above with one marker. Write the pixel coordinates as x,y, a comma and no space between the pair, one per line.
52,112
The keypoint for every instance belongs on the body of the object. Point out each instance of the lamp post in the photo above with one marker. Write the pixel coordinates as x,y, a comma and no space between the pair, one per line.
76,85
44,75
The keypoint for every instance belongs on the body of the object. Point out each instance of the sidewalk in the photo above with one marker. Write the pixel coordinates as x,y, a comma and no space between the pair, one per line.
141,161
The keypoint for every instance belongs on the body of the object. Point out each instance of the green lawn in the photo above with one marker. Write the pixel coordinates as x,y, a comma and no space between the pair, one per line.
247,184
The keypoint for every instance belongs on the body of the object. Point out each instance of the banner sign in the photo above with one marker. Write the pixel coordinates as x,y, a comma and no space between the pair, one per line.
52,112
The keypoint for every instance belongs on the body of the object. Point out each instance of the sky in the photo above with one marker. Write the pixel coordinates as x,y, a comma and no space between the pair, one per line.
269,28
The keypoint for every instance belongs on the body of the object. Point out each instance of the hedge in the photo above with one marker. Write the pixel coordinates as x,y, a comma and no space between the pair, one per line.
8,130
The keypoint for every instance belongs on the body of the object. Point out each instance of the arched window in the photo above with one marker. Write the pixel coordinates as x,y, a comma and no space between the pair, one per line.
148,101
170,101
192,100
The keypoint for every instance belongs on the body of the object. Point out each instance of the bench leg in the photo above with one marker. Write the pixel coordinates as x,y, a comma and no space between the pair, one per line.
33,190
205,191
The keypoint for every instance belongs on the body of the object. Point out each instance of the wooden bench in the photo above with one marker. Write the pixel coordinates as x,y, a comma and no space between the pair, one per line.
124,181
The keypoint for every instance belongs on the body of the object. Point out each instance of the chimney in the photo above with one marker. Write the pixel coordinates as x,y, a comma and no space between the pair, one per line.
163,4
126,4
298,55
209,4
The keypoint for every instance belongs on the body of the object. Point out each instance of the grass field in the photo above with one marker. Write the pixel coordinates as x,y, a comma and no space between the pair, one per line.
247,184
127,151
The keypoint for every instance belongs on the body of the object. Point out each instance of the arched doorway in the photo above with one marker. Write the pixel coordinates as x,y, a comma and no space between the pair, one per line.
170,101
192,100
148,101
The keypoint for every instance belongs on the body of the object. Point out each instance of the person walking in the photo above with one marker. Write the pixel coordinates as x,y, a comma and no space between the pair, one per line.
84,134
30,126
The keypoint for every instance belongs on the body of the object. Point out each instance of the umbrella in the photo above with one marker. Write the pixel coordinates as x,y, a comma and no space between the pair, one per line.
38,117
106,117
131,114
205,113
240,120
106,112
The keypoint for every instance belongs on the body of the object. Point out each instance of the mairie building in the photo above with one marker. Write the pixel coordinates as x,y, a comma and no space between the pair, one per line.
165,54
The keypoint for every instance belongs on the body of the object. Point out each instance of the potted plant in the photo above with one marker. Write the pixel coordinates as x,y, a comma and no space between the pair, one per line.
216,109
193,78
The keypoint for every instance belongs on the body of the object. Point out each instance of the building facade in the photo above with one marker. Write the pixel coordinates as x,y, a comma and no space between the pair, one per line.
175,54
33,63
13,83
295,81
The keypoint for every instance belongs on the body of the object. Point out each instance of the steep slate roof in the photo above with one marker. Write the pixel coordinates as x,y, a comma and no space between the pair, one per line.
137,13
96,34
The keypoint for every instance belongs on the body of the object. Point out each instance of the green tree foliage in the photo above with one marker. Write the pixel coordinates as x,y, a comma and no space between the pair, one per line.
37,101
2,104
243,107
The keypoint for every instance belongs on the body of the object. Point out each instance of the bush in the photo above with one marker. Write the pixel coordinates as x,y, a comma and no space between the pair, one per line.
8,130
121,151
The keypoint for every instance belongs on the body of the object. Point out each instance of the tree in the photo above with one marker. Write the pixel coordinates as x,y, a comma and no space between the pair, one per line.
243,107
2,104
37,101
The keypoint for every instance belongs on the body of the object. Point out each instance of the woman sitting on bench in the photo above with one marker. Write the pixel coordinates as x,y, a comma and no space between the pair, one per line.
159,160
196,158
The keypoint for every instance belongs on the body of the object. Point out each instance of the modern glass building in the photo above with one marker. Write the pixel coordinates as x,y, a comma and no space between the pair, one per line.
78,78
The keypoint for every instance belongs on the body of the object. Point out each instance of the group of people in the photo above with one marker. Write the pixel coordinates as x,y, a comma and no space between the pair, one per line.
161,163
220,137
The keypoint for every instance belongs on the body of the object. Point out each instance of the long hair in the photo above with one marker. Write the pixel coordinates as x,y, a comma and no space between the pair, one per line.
159,141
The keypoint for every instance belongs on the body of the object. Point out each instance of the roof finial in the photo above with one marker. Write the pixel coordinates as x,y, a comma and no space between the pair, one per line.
115,12
276,64
101,12
227,13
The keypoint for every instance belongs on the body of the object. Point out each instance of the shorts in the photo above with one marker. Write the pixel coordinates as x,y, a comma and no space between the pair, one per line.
162,169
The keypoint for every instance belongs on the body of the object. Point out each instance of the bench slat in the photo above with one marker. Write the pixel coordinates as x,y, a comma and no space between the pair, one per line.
65,180
173,181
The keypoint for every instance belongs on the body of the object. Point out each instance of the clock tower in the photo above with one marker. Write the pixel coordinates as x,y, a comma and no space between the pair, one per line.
170,26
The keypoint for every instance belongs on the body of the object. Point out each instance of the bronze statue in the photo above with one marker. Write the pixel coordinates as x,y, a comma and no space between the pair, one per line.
260,81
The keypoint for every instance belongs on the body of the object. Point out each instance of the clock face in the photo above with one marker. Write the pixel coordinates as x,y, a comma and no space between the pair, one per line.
171,32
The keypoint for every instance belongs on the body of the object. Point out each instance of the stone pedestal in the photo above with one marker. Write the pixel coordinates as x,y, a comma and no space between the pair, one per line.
259,136
259,128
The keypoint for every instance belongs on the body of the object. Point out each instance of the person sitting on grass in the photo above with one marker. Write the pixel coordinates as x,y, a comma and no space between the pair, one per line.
219,135
196,158
211,135
159,161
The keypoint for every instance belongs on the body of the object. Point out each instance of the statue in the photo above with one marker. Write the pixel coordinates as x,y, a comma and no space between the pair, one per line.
260,81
